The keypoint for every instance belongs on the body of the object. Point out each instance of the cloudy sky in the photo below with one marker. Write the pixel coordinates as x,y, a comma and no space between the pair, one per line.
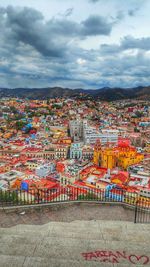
74,43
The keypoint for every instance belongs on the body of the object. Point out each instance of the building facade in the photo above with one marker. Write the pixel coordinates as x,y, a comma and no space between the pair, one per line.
91,134
45,170
76,130
76,151
120,156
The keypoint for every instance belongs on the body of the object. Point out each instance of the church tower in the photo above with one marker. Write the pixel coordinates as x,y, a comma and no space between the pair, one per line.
97,153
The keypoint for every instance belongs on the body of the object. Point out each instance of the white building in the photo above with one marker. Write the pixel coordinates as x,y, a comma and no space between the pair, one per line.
45,170
91,134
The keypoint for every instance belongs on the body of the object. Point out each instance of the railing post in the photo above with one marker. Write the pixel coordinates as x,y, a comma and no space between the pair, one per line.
122,196
38,196
1,198
136,209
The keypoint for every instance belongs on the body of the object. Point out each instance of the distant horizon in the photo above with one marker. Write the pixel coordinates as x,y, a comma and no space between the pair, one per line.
86,89
78,44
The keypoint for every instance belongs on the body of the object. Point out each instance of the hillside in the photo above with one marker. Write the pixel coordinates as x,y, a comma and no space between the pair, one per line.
108,94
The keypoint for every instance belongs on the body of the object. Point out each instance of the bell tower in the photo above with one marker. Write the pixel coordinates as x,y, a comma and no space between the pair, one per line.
97,153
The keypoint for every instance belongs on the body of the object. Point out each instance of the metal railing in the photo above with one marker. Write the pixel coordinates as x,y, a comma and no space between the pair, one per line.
142,211
76,194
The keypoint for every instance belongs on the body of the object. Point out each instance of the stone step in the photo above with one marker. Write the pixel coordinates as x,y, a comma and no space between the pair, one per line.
94,222
68,241
44,262
116,234
106,238
13,261
69,244
20,261
62,250
89,224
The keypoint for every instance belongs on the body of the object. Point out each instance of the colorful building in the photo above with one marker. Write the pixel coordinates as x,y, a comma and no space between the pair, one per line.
123,155
76,151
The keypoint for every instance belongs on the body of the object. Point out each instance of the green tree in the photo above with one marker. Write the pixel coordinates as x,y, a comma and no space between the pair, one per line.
20,125
89,196
136,130
138,114
7,196
13,109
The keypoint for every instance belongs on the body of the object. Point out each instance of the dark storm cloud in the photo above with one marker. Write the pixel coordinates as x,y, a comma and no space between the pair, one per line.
50,38
35,52
96,25
27,25
128,42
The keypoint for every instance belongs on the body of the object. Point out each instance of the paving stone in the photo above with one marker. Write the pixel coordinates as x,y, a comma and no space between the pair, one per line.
17,249
11,261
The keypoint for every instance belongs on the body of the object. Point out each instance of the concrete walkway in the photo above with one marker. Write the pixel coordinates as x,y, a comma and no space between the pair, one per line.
68,236
65,213
77,244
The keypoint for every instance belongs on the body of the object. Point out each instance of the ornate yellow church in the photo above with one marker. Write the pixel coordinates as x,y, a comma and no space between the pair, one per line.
123,155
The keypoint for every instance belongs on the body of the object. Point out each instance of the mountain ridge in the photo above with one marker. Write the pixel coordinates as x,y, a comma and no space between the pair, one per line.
106,93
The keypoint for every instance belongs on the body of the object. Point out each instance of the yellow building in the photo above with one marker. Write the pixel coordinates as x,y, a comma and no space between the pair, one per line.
147,148
104,157
127,161
108,158
120,156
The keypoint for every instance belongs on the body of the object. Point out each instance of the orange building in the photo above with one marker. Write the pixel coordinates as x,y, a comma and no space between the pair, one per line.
120,179
123,155
60,167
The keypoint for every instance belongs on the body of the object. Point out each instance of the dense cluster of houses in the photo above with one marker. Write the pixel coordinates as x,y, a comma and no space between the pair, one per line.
74,143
